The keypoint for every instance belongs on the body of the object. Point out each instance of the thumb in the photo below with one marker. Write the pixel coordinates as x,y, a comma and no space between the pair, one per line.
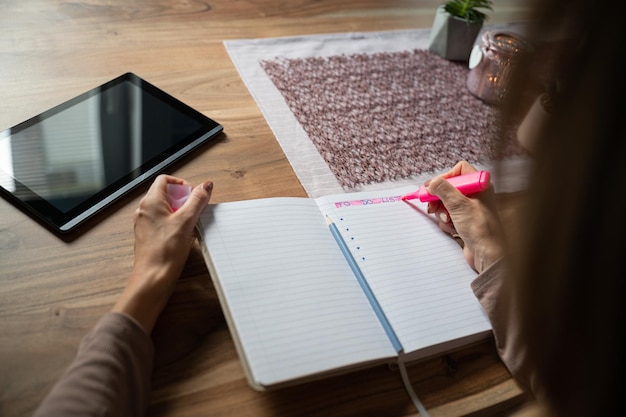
447,193
198,199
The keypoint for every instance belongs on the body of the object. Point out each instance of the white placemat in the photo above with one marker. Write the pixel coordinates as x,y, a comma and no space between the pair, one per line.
310,168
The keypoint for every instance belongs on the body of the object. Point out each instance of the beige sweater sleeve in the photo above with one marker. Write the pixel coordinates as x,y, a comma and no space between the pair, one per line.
110,375
492,293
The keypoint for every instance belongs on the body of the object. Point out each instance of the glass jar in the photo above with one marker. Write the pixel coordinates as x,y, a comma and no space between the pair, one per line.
491,64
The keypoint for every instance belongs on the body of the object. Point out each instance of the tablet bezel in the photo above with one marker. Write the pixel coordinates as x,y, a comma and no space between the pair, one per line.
62,223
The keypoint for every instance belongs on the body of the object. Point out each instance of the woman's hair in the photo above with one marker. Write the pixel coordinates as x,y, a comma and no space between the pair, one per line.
568,267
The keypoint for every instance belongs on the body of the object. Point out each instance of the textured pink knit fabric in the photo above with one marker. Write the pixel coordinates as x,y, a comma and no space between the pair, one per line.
385,116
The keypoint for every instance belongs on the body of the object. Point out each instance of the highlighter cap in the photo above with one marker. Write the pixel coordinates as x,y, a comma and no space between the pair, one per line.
467,184
177,194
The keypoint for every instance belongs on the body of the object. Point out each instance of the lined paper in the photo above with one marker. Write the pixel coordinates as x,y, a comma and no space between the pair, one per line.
417,273
294,304
297,307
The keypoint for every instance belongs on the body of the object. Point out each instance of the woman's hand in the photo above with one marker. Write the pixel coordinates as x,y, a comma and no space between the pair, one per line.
474,218
163,239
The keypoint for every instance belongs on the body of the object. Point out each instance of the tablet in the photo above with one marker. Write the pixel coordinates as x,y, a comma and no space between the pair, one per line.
74,160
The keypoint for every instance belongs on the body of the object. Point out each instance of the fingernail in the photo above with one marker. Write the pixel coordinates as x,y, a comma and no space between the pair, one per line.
443,217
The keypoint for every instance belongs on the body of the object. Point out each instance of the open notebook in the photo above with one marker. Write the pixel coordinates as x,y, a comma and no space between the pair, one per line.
295,304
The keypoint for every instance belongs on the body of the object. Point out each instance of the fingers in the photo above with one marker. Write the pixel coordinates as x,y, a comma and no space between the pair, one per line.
443,217
198,199
194,203
160,183
169,179
447,227
461,168
472,218
439,210
451,200
450,197
448,194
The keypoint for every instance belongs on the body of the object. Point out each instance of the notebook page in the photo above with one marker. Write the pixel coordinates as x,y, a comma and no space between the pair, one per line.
297,306
417,272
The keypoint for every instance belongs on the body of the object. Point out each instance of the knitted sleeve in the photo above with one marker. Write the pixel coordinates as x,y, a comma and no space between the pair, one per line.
494,296
110,375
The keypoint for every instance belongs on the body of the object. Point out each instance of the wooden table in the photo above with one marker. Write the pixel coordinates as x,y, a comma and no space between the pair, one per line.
52,291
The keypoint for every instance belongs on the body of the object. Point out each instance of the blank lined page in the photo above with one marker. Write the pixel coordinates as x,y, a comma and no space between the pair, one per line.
417,272
297,306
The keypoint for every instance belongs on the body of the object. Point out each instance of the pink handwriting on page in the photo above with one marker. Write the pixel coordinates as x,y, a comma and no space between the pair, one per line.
366,202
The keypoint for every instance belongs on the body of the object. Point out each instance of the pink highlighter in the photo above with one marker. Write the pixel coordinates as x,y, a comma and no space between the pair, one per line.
177,194
467,184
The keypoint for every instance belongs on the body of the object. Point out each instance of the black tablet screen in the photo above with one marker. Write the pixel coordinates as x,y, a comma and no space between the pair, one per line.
74,159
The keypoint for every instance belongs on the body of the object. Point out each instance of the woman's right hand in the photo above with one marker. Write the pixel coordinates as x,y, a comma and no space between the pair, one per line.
474,218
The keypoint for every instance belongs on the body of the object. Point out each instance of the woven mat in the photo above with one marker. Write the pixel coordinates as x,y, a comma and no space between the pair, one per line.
358,111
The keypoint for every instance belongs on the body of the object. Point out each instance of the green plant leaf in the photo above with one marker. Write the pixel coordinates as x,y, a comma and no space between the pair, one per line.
470,10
